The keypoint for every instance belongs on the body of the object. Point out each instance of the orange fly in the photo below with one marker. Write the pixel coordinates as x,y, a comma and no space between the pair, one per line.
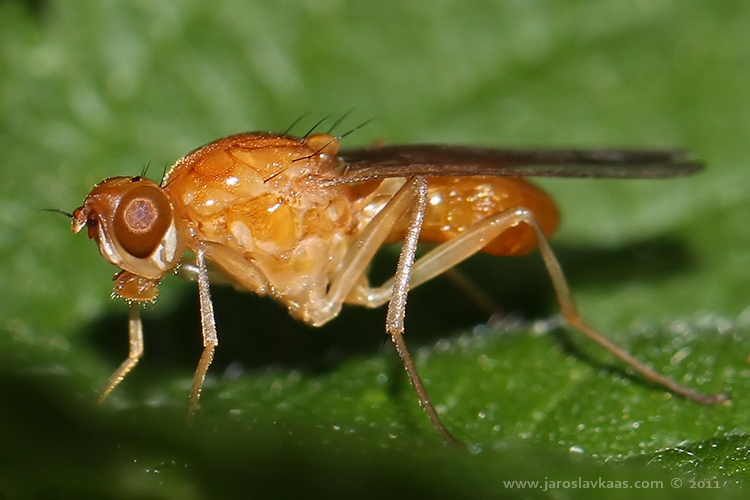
299,220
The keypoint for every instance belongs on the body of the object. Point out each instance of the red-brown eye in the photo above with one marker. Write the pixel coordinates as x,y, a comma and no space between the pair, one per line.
141,220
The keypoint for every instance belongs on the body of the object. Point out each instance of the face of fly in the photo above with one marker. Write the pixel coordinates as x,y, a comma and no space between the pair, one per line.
134,224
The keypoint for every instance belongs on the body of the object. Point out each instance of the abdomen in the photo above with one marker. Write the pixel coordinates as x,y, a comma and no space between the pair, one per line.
456,203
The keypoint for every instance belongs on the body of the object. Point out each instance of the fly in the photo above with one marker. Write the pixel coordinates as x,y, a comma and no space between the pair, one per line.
299,220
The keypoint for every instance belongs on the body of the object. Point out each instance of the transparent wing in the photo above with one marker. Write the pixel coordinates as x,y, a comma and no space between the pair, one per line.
441,160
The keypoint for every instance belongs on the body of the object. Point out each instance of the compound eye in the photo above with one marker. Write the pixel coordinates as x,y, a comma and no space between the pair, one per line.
141,220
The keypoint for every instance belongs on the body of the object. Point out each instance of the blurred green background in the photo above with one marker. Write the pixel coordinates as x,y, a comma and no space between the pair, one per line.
96,89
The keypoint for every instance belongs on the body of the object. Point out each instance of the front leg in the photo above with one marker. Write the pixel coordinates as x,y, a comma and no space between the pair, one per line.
135,333
208,331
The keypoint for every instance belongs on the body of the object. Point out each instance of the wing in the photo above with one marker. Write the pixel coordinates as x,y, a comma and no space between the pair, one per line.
441,160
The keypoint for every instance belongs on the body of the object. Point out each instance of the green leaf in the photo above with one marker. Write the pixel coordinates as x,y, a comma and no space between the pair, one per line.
97,89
